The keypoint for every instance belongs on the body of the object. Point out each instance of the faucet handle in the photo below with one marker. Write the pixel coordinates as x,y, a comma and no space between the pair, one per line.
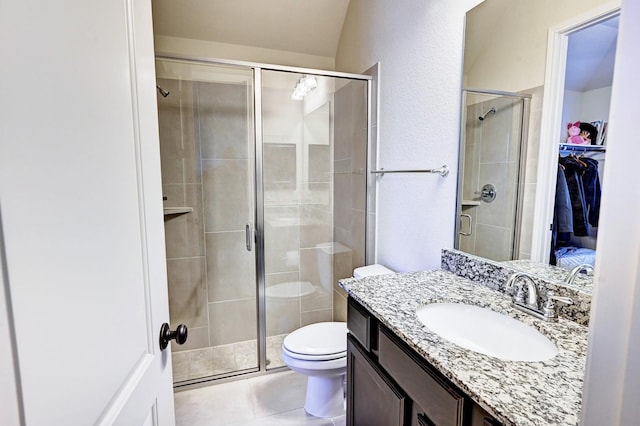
549,308
551,296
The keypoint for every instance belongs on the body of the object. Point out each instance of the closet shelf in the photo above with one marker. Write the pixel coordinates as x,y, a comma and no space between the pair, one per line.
585,148
173,211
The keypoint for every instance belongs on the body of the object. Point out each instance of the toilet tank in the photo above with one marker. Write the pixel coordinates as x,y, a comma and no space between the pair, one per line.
371,270
334,263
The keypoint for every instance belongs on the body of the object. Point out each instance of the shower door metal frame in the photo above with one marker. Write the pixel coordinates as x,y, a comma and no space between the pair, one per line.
257,69
522,158
259,221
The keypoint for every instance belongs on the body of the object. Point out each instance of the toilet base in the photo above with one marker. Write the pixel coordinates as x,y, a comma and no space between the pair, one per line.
325,396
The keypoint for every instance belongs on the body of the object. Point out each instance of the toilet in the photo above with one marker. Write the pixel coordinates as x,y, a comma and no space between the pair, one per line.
319,351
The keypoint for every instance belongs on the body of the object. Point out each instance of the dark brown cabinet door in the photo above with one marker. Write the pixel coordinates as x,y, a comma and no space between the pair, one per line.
479,417
434,400
372,399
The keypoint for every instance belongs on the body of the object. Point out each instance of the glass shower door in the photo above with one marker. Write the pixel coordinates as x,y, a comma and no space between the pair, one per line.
207,155
314,131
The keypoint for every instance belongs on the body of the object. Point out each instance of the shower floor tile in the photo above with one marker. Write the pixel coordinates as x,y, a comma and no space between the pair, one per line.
272,399
216,360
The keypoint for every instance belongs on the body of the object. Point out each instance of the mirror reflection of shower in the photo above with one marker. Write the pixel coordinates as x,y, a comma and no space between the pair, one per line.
491,111
492,145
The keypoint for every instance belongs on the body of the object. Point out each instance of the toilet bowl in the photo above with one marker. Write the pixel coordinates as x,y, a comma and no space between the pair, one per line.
319,351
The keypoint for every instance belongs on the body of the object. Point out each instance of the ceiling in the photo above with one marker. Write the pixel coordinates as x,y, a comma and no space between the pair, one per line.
591,55
314,27
311,27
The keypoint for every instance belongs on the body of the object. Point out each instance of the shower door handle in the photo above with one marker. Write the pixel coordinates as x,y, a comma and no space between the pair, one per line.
249,237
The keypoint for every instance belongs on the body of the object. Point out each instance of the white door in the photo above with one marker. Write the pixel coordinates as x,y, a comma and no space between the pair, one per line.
81,209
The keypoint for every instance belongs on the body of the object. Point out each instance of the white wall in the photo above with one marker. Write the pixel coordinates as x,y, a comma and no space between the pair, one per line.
596,104
508,47
209,49
585,106
571,106
419,46
612,382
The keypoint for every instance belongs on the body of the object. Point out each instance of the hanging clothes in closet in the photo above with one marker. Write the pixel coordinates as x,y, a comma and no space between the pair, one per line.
577,203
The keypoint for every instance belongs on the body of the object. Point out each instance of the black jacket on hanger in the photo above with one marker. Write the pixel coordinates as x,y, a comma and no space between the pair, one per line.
573,171
591,186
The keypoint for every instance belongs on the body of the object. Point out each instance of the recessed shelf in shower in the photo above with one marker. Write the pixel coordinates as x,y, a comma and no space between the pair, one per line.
174,211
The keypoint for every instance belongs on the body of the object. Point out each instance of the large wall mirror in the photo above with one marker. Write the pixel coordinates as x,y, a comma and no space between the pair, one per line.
529,190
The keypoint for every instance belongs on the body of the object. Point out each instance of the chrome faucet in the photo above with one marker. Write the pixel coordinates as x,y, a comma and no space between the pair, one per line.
530,304
532,290
575,271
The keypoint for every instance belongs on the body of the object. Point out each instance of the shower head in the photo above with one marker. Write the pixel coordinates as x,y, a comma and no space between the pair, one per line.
491,111
163,92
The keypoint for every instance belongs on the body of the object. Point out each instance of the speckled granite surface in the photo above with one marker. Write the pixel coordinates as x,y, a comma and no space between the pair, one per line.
552,273
495,274
515,393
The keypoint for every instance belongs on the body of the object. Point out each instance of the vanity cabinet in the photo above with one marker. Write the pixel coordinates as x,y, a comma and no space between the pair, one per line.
389,384
374,398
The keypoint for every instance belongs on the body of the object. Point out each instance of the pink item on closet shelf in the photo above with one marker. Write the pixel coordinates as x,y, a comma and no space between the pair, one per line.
574,134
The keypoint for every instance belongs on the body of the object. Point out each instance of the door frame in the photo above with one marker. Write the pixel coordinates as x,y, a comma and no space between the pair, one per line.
551,124
11,404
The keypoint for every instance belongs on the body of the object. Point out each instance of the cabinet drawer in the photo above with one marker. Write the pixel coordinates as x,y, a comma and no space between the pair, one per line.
441,404
359,323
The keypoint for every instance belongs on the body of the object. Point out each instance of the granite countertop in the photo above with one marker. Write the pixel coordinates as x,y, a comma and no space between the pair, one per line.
581,282
514,392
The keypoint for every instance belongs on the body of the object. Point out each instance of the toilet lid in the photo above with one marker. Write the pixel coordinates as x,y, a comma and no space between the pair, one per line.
319,339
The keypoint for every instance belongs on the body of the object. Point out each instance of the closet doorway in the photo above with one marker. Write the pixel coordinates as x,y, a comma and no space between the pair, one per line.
574,139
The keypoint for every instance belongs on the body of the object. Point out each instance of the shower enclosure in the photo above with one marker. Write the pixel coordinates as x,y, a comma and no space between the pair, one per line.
492,154
265,206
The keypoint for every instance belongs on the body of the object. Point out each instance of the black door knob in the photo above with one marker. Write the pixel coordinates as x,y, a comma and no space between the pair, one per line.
166,335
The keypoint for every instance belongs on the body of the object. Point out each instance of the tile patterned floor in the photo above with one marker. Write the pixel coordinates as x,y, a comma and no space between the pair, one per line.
270,400
216,360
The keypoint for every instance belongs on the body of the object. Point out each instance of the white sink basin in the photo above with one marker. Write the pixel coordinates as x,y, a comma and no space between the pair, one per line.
486,331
